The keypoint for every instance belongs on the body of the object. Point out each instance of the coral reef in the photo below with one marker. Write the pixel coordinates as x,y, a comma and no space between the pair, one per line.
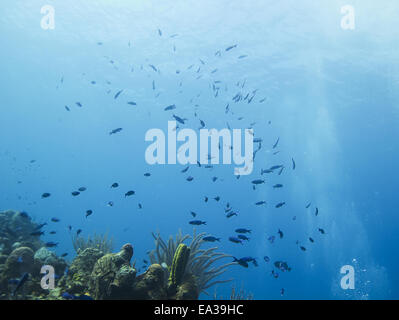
200,262
177,271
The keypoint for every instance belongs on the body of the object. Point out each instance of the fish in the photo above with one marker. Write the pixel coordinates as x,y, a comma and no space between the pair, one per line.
280,204
235,240
217,198
276,143
322,231
265,171
153,67
259,203
82,189
316,212
129,193
20,283
243,230
52,232
271,239
115,185
275,167
281,170
293,164
197,222
178,119
79,104
242,56
55,220
206,199
37,233
277,186
160,32
118,94
110,204
190,178
214,179
147,174
132,103
69,296
258,181
185,169
230,214
51,244
140,206
281,234
193,214
46,195
266,258
117,130
302,248
75,193
242,237
64,255
171,107
89,213
311,239
67,108
202,124
308,205
211,239
230,47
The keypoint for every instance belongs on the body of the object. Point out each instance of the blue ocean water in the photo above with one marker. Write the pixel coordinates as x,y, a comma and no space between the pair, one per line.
330,95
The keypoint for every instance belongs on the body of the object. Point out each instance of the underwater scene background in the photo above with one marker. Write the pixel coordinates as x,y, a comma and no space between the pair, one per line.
78,97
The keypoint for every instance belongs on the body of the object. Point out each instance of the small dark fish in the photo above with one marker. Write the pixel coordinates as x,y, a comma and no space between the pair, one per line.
82,189
20,283
316,212
302,248
64,255
89,213
266,258
117,130
214,179
79,104
178,119
46,195
271,239
52,232
197,222
147,174
67,108
211,239
277,186
230,214
265,171
308,205
235,240
171,107
75,193
160,32
206,199
140,206
193,214
311,240
276,167
242,237
37,233
293,164
129,193
132,103
118,94
55,220
281,234
217,198
243,56
322,231
78,232
281,170
275,145
202,124
242,230
153,67
51,244
185,169
41,226
282,291
259,203
115,185
231,47
258,181
280,204
110,203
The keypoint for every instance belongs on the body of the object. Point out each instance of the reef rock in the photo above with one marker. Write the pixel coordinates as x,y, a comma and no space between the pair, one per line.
151,284
80,270
43,256
112,276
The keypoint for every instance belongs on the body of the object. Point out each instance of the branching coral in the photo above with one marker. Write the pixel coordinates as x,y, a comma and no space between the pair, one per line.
200,262
100,242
